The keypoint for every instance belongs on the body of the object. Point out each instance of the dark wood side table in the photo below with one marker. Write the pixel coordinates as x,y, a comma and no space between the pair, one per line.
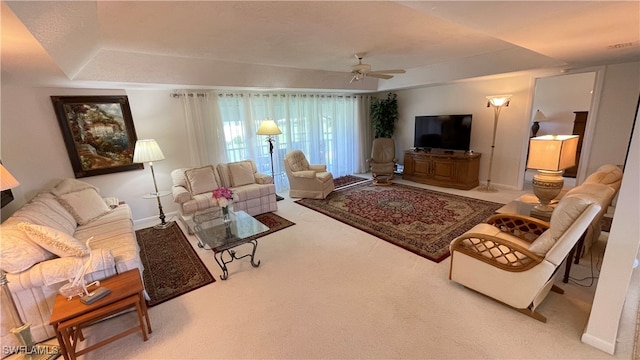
70,316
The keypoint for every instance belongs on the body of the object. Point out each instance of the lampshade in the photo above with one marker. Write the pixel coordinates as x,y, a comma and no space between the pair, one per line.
269,127
147,150
499,100
539,116
7,181
552,152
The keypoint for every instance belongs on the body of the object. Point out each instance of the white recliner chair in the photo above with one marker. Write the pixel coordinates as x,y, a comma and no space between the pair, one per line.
514,259
307,181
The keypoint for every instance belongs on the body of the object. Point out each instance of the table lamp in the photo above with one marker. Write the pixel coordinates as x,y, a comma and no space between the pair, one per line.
537,118
550,155
147,150
270,128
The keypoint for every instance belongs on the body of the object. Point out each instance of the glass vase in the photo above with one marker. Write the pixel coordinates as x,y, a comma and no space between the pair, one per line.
226,214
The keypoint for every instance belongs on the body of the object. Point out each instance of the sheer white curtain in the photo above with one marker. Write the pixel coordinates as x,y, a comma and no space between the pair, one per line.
206,142
330,129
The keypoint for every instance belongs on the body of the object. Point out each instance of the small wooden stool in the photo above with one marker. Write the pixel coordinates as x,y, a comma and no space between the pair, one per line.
69,317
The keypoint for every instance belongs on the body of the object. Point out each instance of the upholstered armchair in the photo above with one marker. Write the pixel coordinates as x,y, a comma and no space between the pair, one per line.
514,259
307,181
383,160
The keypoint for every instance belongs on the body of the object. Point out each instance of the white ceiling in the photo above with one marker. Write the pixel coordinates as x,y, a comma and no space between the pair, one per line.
306,44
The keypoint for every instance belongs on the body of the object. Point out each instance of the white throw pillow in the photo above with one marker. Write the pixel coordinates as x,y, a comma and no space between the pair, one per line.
17,252
84,205
241,174
71,185
542,244
201,180
55,241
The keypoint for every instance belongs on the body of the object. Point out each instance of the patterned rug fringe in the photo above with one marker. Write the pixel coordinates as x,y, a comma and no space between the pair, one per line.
347,180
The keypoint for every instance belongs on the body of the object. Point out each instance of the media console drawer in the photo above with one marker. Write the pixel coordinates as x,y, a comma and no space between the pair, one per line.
458,171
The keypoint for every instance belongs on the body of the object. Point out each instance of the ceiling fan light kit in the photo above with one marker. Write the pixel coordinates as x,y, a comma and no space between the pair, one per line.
360,71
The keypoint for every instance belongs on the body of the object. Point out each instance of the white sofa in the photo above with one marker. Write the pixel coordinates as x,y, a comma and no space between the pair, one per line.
49,224
253,192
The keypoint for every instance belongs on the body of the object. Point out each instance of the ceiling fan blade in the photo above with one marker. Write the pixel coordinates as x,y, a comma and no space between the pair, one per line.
379,76
396,71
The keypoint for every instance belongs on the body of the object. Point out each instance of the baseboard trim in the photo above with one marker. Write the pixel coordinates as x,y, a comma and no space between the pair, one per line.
154,220
598,343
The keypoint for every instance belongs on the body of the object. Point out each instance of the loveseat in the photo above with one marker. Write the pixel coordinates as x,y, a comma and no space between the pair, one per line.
192,189
43,245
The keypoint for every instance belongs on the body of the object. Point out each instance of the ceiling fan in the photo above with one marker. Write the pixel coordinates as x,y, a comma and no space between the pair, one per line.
360,71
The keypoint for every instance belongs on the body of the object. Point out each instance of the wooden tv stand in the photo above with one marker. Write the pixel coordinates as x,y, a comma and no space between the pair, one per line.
452,170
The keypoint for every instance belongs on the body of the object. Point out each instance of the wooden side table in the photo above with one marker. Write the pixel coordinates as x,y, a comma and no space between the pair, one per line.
70,316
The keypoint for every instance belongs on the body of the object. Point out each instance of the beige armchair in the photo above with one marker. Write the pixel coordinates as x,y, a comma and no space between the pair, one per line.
307,181
383,160
514,258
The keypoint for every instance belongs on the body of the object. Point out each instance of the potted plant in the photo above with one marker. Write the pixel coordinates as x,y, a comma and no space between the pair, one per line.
384,113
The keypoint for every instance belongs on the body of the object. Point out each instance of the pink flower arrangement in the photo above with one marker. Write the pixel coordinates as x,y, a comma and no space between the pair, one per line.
222,196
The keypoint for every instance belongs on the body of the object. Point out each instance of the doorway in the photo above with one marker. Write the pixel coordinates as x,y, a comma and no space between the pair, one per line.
565,101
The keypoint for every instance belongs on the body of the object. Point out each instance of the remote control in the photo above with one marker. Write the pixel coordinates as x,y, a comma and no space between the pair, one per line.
98,294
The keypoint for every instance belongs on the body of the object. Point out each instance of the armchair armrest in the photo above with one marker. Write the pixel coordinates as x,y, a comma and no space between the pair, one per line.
525,227
263,178
308,174
495,251
317,168
180,194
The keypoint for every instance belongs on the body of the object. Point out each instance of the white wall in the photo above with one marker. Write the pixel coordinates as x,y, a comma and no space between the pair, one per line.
616,111
33,149
617,265
470,98
558,97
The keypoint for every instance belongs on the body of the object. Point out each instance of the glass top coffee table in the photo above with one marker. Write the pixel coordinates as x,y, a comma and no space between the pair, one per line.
223,237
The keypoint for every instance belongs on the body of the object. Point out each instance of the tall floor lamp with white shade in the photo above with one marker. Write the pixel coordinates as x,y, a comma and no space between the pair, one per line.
22,330
498,102
270,128
147,150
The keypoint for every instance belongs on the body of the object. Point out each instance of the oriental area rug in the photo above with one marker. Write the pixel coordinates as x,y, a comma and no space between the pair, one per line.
419,220
171,265
347,180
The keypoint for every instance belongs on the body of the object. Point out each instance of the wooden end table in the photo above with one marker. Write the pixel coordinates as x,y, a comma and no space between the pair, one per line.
70,316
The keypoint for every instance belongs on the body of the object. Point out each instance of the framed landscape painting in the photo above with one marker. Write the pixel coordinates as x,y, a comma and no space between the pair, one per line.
98,132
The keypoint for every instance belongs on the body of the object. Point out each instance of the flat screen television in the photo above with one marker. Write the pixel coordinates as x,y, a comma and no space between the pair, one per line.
447,132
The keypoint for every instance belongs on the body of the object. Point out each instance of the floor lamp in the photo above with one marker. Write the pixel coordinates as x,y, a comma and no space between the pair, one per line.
270,128
147,150
22,330
498,102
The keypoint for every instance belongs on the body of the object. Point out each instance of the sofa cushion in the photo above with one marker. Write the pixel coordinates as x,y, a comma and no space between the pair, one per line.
542,244
55,241
606,174
17,252
566,212
201,180
45,210
85,205
241,174
71,185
